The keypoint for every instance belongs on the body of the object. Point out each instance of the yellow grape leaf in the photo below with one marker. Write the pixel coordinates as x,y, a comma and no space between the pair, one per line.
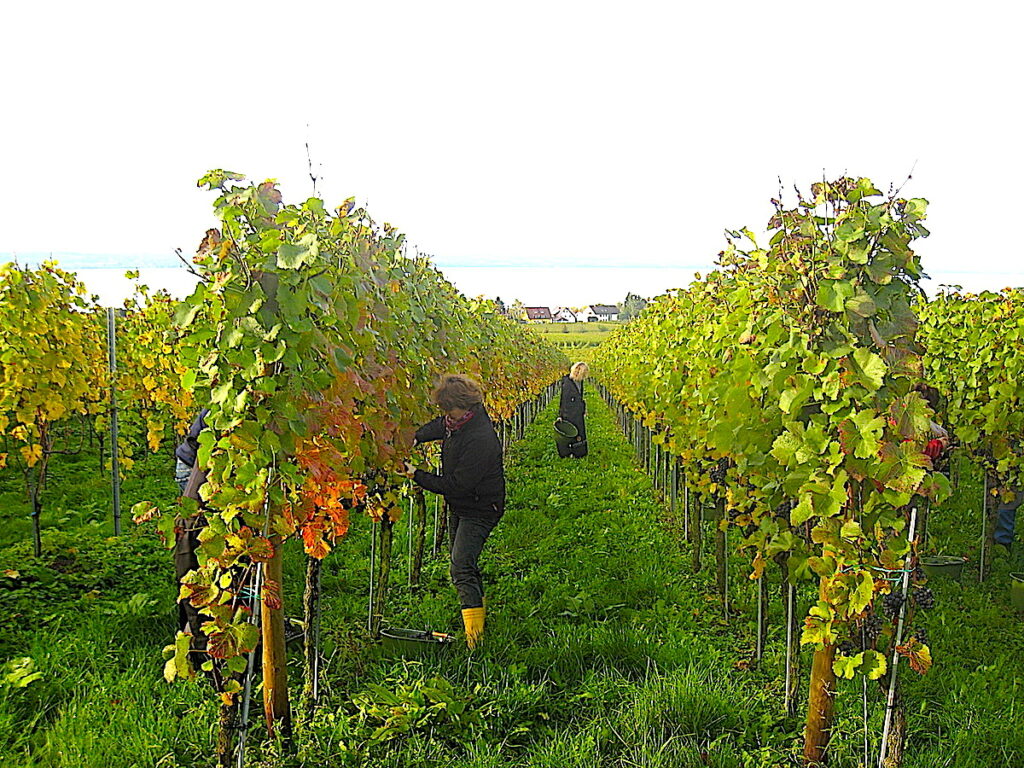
32,453
154,435
55,409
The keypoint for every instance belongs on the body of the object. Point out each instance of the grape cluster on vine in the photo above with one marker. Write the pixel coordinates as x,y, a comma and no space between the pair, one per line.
848,648
892,603
924,598
872,627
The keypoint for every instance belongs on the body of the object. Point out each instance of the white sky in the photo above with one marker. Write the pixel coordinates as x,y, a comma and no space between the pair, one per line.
512,133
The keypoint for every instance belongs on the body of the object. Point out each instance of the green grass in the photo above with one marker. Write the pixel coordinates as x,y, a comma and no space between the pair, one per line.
587,328
603,648
575,335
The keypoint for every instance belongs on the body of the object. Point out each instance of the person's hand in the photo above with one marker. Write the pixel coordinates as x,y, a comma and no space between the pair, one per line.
407,469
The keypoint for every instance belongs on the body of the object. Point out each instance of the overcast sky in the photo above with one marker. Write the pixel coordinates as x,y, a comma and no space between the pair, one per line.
512,133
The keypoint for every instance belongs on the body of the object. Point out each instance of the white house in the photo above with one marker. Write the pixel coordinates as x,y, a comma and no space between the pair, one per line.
599,312
564,315
538,314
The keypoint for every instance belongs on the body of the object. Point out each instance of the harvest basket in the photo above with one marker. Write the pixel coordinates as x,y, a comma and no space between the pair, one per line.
414,642
565,430
1017,591
943,566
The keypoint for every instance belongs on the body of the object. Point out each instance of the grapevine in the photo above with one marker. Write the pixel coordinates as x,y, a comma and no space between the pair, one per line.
797,362
314,341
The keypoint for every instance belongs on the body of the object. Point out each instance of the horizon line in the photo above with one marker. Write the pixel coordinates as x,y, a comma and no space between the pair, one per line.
126,261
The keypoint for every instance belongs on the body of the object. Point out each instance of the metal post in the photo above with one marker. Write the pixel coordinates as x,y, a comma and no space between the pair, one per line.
672,473
243,727
437,541
115,469
686,507
891,697
725,569
373,570
759,647
984,525
409,520
316,637
791,650
864,699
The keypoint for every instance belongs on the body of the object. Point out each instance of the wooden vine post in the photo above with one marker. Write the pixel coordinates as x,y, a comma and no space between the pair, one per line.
820,707
276,708
311,646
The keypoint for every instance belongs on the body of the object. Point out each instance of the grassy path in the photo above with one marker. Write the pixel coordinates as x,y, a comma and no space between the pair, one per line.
600,649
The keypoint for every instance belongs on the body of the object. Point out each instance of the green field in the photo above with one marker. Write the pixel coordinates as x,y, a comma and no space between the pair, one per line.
603,647
575,335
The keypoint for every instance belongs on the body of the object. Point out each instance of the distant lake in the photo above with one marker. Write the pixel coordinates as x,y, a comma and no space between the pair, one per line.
533,285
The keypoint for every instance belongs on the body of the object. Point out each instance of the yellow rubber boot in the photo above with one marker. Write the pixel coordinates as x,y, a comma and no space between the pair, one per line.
473,619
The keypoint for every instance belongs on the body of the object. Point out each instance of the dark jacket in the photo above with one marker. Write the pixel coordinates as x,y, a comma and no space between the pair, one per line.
472,478
189,448
571,405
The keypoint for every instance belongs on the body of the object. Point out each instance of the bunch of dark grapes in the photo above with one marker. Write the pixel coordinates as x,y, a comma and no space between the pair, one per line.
918,573
733,513
717,472
921,634
923,598
872,627
892,603
847,648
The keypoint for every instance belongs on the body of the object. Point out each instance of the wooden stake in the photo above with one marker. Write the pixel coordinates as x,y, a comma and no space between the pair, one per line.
275,668
820,707
311,646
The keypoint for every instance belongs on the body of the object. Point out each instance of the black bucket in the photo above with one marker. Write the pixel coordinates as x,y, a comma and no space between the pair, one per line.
415,642
565,430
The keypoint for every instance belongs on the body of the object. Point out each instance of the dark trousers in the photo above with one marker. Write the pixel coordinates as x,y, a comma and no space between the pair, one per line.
186,542
1006,519
468,535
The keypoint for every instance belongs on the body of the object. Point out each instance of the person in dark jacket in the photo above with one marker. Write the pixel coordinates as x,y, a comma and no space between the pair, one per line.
472,481
186,529
186,452
573,408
